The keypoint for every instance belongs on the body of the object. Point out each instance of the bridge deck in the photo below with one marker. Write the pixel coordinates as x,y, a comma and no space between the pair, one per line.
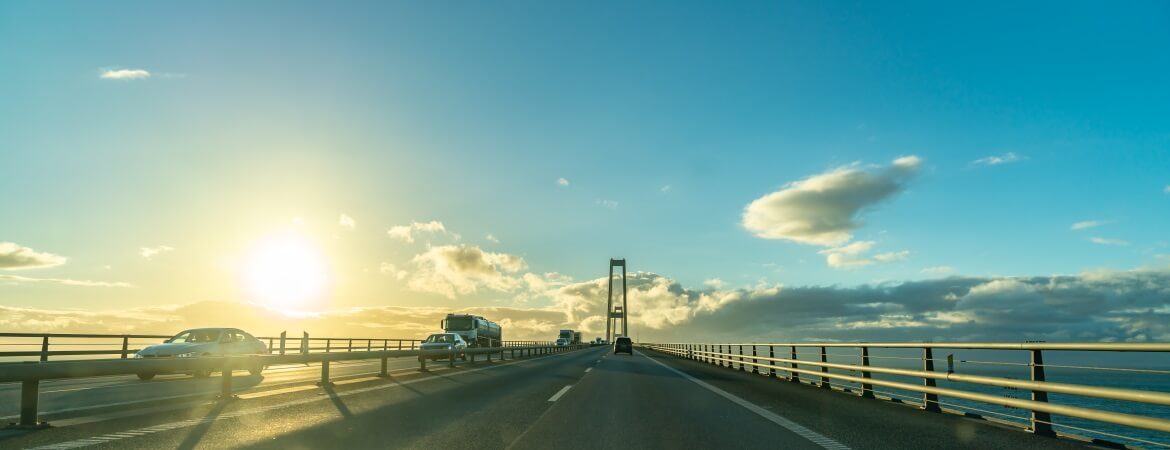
615,401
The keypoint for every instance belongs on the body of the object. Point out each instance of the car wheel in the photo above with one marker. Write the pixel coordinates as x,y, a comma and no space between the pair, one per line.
256,370
145,376
202,373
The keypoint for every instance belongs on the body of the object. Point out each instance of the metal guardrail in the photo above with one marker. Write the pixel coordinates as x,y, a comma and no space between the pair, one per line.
276,344
1039,405
31,373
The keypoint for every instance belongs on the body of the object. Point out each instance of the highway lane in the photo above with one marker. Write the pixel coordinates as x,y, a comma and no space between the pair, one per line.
584,399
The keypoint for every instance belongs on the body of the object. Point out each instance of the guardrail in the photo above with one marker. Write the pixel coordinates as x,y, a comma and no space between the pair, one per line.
862,377
79,344
30,374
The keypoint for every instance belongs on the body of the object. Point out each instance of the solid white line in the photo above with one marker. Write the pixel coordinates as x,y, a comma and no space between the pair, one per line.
816,438
587,370
560,393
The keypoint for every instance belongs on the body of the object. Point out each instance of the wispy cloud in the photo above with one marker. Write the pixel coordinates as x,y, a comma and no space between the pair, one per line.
611,204
1107,241
824,209
1084,225
892,256
562,182
852,256
664,189
65,281
491,238
407,233
150,252
1167,189
938,270
124,74
13,256
347,222
996,160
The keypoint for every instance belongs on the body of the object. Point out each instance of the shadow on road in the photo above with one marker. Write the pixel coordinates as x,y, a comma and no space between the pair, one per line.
197,433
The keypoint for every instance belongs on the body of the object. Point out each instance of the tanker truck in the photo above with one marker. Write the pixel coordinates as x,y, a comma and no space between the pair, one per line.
476,330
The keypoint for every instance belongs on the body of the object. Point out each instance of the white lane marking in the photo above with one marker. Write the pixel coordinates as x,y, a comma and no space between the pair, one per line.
231,415
588,369
816,438
560,393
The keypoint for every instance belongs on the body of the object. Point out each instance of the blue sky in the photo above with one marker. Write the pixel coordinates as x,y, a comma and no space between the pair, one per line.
667,119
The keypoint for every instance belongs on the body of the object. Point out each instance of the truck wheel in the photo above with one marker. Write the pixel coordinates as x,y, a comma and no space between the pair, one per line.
145,376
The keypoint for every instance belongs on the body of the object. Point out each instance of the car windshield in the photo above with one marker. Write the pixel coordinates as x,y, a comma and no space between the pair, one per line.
447,338
195,337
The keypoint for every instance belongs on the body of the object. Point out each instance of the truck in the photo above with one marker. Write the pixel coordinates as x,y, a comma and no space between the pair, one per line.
476,330
569,337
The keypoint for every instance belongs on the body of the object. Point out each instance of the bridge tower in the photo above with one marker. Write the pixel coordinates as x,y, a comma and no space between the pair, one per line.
616,313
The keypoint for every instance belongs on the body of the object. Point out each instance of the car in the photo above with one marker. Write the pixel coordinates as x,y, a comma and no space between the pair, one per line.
202,342
561,342
445,341
623,345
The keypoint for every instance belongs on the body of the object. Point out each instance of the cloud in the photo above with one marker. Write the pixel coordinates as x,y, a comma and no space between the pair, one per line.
347,222
938,270
824,209
664,189
452,270
1107,241
995,160
610,204
124,74
851,256
68,282
1084,225
713,282
1167,189
150,252
13,256
892,256
407,233
562,182
491,238
391,269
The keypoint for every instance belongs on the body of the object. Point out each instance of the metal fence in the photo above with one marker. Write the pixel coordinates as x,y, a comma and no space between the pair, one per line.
30,374
965,392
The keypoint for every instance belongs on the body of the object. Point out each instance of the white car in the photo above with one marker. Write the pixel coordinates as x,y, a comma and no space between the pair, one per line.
201,342
445,341
561,342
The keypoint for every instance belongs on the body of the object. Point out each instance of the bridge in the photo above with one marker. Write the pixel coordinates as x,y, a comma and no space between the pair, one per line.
536,395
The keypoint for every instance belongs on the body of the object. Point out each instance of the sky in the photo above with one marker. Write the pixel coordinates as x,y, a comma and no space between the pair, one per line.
784,170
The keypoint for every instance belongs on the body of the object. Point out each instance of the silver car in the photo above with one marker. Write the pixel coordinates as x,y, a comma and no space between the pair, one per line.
445,341
201,342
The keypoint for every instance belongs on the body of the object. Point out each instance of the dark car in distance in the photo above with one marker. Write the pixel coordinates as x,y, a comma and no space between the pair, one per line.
623,345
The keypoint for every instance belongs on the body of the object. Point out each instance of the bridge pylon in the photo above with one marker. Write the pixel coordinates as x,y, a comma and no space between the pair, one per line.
616,313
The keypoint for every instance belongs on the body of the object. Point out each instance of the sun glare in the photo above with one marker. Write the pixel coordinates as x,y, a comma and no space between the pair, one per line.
286,270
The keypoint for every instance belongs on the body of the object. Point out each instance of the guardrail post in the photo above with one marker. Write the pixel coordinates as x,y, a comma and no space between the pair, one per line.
45,349
325,373
793,376
283,336
349,346
1041,421
451,358
825,370
422,361
489,357
382,373
755,368
225,386
125,346
866,388
328,343
929,401
741,357
720,356
369,345
772,364
29,395
305,344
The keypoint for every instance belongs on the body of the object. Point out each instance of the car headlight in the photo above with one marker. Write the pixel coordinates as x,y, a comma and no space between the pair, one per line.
187,355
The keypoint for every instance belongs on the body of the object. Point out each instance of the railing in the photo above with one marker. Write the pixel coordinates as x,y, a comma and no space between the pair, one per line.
41,345
781,360
30,374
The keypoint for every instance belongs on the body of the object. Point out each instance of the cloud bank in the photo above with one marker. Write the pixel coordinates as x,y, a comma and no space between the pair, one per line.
16,279
13,256
825,209
452,270
124,74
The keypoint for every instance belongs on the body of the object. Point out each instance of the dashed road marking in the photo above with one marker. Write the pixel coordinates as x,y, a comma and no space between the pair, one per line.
588,369
560,393
816,438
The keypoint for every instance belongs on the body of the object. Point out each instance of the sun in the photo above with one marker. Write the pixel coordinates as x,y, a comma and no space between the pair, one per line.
285,270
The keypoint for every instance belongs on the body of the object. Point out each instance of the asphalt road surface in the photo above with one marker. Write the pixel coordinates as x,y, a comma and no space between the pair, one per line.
582,399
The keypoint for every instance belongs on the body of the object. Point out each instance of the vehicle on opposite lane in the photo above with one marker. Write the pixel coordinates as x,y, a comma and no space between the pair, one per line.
623,345
201,342
445,341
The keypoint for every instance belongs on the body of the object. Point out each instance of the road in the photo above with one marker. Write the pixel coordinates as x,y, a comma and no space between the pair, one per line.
583,399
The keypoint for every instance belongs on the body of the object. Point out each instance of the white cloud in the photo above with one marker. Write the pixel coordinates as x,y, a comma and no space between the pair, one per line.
392,270
996,160
892,256
491,238
610,204
713,282
407,233
851,256
1107,241
562,182
452,270
824,209
664,189
150,252
65,281
1086,224
938,270
13,256
124,74
347,222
